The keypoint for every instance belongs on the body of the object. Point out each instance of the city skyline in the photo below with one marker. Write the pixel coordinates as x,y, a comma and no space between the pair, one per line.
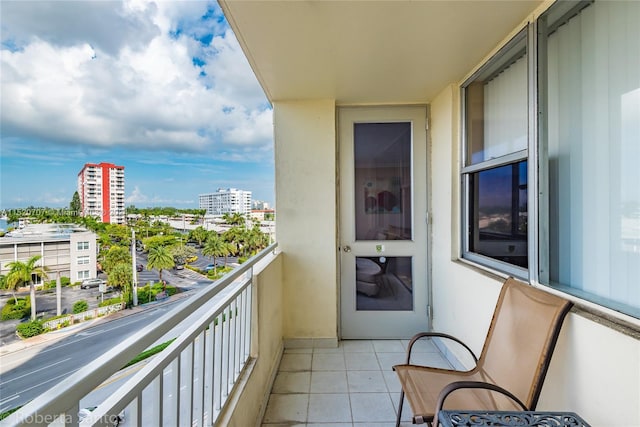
162,89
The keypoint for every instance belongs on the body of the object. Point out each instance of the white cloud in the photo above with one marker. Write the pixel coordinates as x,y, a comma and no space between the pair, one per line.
138,197
126,77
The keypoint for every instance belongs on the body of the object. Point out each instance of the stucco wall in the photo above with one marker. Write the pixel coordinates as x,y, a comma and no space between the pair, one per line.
305,145
595,370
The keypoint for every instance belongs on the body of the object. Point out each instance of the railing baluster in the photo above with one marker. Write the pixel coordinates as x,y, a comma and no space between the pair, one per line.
217,366
175,391
227,345
200,365
233,308
249,319
160,409
209,377
137,410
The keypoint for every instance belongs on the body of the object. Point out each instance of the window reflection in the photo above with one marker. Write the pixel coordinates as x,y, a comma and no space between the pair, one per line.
382,154
498,213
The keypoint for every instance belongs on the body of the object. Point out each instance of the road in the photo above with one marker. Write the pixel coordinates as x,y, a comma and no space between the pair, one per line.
27,373
46,303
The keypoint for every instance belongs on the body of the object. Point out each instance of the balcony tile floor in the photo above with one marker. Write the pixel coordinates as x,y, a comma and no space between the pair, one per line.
352,385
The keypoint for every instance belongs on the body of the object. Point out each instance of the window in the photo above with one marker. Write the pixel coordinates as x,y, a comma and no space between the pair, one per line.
83,274
494,171
83,246
83,259
589,102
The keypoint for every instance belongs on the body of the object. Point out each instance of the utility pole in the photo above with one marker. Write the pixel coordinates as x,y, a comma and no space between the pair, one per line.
58,295
134,272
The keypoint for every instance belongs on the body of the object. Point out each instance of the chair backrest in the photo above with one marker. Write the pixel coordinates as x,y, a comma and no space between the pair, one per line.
521,338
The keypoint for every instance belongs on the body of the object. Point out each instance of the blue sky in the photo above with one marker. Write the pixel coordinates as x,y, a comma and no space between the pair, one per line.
161,88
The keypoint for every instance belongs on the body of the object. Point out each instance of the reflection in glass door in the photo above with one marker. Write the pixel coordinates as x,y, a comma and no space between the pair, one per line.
382,158
384,283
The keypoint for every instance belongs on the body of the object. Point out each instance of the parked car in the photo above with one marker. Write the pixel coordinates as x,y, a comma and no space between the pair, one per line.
91,283
209,267
179,267
139,267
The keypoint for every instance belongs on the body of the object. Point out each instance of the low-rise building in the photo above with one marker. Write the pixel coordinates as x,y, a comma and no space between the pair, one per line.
67,249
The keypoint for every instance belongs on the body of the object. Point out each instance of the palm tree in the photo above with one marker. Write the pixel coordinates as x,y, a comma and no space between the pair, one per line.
160,258
199,234
5,285
120,275
22,273
235,218
213,247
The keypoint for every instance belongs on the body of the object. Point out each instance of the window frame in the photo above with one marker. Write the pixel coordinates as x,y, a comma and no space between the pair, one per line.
601,305
538,215
525,33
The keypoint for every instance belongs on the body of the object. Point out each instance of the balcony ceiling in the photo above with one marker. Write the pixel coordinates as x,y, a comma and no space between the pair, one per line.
368,52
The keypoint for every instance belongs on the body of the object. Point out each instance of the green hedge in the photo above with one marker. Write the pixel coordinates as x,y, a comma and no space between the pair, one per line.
143,292
13,310
80,306
51,284
110,301
30,329
148,353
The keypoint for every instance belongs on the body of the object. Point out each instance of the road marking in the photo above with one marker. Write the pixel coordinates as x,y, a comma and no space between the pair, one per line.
37,370
49,380
9,399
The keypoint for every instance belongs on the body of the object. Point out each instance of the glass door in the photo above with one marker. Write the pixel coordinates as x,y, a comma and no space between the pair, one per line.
383,227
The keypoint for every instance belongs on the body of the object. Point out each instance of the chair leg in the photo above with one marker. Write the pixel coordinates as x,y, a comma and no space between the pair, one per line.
400,408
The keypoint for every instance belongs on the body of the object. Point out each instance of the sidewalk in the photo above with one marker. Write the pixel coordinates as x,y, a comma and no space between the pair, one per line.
53,336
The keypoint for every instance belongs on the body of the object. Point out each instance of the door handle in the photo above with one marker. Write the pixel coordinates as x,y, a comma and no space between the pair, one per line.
346,248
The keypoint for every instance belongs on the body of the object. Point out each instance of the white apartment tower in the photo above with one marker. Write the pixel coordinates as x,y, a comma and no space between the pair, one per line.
101,190
230,200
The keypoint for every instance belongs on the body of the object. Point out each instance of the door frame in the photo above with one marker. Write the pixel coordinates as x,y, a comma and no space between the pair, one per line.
426,217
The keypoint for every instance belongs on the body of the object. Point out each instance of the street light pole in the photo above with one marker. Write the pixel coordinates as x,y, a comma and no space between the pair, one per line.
134,273
58,295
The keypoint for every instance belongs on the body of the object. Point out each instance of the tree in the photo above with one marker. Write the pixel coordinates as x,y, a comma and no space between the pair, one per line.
22,273
214,247
180,253
120,275
226,251
75,206
157,241
5,285
199,234
234,235
115,256
119,233
159,258
235,218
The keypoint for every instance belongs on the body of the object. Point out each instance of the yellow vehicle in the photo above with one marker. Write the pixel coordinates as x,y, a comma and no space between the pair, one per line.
192,259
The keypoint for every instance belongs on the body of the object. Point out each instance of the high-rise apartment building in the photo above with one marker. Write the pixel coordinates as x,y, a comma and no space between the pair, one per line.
229,200
101,190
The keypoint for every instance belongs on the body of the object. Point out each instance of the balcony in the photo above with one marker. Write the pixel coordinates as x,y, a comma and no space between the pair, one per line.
230,357
231,344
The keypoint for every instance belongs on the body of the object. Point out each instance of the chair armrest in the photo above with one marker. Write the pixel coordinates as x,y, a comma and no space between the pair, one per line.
417,336
457,385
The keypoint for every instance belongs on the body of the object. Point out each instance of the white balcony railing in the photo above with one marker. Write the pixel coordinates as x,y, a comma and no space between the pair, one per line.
188,383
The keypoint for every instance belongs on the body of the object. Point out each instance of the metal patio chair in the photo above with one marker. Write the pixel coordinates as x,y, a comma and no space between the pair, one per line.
510,371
